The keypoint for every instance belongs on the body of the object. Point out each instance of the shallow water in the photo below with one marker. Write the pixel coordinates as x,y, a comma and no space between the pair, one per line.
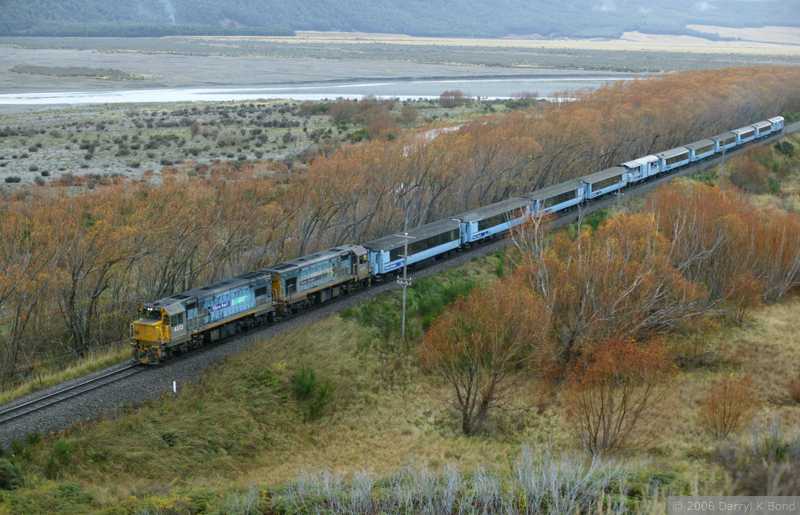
490,88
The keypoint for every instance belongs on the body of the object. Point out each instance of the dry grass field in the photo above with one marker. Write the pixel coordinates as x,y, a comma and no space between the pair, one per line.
780,44
778,35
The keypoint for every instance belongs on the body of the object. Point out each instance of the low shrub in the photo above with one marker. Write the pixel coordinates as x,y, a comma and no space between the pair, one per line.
785,148
314,395
304,382
60,458
10,475
768,465
751,177
319,402
729,405
13,179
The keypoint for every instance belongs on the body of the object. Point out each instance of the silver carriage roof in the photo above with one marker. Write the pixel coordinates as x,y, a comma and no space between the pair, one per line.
604,174
776,119
700,144
394,241
673,152
636,163
492,209
763,123
317,257
554,190
740,130
724,135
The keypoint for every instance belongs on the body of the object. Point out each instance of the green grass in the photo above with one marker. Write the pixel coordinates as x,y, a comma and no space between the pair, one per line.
427,298
96,360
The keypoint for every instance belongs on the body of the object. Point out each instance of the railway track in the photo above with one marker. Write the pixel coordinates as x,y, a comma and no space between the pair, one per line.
51,398
186,367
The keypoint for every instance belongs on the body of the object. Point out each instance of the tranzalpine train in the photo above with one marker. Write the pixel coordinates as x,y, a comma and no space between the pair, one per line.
202,315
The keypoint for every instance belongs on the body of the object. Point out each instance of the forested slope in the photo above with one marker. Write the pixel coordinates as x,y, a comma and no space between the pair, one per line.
418,17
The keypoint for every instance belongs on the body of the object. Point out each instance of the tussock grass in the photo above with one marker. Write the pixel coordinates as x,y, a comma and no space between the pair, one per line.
534,483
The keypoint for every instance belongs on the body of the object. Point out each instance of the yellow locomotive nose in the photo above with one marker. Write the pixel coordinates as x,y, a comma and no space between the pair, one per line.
148,337
149,331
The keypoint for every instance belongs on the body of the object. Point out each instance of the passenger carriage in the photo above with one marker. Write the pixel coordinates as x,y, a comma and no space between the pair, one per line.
763,129
745,134
701,149
777,123
673,158
425,242
603,182
558,197
642,168
726,141
488,221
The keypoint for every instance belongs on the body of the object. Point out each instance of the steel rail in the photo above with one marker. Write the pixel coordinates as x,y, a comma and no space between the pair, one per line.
42,402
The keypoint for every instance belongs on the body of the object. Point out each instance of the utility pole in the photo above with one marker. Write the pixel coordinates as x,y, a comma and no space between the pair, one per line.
405,282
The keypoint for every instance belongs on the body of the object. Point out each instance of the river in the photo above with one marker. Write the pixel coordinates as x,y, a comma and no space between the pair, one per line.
547,87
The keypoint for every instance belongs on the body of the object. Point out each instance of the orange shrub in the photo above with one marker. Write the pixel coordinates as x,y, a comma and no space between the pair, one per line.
750,175
610,391
729,405
480,342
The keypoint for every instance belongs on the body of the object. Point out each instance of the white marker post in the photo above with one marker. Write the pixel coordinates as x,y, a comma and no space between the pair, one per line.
175,387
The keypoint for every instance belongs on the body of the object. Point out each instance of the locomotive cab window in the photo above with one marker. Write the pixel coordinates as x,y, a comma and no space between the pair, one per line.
176,320
151,314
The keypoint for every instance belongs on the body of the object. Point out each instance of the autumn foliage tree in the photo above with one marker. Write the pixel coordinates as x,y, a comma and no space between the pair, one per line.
741,253
609,391
616,282
481,342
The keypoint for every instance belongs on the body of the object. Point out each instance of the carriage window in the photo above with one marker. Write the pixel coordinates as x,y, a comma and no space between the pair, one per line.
606,182
416,246
678,158
261,291
500,219
558,199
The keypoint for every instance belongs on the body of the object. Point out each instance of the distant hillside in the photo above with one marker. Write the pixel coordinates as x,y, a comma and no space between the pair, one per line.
415,17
